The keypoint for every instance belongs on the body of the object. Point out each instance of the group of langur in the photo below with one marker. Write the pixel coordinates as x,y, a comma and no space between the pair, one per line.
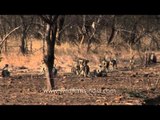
150,58
82,68
104,67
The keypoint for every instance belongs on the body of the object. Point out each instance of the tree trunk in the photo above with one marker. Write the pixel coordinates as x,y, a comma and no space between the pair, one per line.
49,59
23,43
50,39
31,46
6,46
43,47
81,42
59,32
91,37
113,31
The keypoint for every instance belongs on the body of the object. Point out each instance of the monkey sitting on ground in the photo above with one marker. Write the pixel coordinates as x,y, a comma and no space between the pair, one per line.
5,71
100,72
76,69
150,58
44,69
153,58
105,65
84,70
54,71
113,63
132,62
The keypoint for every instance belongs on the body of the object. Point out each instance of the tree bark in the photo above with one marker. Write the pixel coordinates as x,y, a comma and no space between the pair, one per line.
43,46
49,58
6,46
23,42
59,32
113,31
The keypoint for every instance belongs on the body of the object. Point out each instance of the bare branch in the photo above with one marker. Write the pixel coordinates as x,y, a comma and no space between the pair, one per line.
65,27
48,20
3,40
44,18
124,30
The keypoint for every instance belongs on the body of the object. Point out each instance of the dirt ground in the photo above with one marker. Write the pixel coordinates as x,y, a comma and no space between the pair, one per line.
121,87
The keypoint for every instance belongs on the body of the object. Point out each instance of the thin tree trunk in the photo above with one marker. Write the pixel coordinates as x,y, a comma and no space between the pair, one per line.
89,41
31,46
43,47
81,42
59,32
23,43
6,46
113,31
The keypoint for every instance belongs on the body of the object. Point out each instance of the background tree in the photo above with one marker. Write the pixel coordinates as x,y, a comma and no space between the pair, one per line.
26,22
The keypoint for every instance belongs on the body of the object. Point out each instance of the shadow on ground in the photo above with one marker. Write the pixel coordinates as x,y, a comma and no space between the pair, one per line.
152,101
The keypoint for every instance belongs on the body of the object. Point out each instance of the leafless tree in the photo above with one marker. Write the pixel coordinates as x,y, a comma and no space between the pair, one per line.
26,22
51,30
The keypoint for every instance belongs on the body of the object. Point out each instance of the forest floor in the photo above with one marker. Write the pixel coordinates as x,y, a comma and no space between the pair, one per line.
140,86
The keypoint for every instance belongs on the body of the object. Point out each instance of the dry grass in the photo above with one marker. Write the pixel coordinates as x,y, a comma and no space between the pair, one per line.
65,55
15,59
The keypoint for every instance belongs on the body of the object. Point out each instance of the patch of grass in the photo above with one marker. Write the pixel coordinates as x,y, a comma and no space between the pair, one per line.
137,94
65,55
